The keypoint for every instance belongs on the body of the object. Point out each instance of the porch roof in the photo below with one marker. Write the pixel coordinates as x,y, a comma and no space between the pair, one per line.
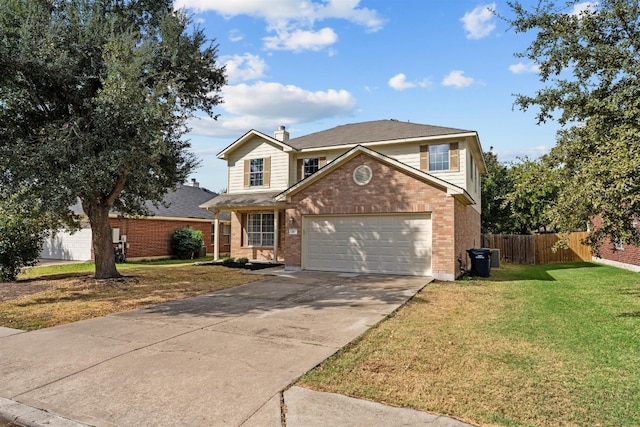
243,201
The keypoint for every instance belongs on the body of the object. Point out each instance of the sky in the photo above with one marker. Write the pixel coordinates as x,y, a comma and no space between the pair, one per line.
311,65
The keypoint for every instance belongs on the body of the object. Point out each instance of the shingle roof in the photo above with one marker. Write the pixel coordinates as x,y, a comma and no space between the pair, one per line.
242,200
374,131
183,202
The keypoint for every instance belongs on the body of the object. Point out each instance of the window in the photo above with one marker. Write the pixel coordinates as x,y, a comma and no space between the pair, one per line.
307,167
226,234
439,157
256,172
260,229
310,166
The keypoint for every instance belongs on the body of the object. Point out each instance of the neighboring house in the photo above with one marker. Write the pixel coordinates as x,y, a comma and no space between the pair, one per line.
150,236
618,254
384,196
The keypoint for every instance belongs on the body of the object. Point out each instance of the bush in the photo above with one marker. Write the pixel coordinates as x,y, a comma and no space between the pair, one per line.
21,242
186,243
242,260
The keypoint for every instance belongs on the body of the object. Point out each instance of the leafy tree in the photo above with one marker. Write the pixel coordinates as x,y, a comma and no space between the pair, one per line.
589,65
533,193
496,184
94,98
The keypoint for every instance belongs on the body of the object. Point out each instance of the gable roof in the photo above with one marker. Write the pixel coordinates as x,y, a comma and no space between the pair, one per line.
183,202
247,136
373,131
451,189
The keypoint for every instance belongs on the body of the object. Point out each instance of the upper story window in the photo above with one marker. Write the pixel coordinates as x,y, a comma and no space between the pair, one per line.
257,172
309,166
440,157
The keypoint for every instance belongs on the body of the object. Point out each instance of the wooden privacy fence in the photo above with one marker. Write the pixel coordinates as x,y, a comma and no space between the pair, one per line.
538,249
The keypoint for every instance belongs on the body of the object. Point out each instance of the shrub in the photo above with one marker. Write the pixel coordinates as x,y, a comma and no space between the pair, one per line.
242,260
186,243
21,242
228,260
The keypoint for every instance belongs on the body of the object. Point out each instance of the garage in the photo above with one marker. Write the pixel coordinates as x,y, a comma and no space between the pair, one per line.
382,244
68,246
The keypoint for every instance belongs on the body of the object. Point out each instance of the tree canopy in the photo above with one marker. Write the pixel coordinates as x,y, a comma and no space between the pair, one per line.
496,184
589,64
94,99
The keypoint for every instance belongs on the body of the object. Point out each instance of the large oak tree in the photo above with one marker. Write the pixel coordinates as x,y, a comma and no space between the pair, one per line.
589,62
94,98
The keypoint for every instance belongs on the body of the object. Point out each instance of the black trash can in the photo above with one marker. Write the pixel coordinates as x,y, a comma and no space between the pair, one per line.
480,262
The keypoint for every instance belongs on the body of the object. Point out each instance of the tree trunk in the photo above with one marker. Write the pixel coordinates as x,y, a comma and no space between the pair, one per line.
102,242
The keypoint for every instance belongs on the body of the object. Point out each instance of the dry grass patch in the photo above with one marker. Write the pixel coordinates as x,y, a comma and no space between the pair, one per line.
54,300
492,353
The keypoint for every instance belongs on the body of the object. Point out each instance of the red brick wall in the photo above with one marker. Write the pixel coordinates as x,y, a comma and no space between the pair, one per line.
628,255
468,234
152,237
390,191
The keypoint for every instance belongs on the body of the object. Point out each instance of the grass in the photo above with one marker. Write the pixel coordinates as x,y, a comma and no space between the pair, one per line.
542,345
74,295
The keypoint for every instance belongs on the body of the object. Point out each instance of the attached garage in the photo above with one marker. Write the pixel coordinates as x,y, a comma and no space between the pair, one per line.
382,244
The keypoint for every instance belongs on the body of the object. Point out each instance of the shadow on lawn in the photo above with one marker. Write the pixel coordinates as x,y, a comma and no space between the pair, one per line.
525,272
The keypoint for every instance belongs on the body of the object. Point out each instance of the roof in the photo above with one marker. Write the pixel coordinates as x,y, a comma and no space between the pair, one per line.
451,189
373,131
183,202
226,201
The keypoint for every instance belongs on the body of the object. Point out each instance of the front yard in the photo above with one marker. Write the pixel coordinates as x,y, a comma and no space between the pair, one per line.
548,345
49,296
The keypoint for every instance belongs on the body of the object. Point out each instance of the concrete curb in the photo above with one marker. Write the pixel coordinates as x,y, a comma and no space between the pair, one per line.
32,417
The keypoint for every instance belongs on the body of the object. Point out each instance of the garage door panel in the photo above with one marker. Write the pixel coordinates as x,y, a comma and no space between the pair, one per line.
388,244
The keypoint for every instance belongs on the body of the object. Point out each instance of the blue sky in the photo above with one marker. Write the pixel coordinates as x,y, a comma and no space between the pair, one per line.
314,64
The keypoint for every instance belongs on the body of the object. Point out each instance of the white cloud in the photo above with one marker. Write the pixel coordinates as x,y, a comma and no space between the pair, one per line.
479,22
300,40
286,102
244,67
456,78
293,21
235,35
587,6
522,68
268,105
399,82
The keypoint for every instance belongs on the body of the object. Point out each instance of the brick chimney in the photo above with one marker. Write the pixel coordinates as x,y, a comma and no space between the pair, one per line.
281,134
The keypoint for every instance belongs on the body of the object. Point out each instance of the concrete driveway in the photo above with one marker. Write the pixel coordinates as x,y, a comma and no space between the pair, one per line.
221,359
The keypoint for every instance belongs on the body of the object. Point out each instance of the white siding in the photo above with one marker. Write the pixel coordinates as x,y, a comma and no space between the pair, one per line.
255,149
67,246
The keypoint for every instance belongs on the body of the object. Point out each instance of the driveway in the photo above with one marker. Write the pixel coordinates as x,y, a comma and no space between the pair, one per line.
221,359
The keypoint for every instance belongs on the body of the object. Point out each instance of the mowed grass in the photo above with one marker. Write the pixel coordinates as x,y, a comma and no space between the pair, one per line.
542,345
74,295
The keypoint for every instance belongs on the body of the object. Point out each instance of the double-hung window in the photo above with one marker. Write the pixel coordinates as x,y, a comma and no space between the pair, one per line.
256,172
260,229
440,157
310,166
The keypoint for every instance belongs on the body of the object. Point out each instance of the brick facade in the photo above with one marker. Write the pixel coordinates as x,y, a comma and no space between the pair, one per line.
238,247
151,238
454,226
627,255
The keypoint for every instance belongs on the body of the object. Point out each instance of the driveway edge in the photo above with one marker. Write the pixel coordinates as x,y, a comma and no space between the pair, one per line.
32,417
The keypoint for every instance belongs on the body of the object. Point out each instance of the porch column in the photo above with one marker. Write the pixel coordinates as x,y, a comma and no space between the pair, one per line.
216,234
276,234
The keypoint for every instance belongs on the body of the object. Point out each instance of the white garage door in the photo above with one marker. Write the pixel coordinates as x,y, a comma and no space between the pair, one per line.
67,246
385,244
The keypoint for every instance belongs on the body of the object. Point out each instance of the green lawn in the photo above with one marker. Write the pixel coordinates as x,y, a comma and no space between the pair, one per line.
548,345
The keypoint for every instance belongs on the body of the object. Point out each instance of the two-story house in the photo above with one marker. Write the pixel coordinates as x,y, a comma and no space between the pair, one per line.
384,197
